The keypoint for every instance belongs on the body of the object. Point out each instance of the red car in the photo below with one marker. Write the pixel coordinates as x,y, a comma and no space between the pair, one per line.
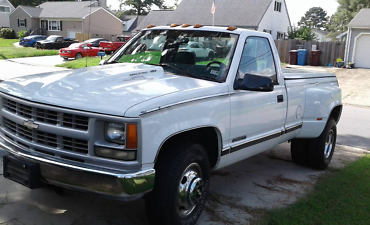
78,51
110,46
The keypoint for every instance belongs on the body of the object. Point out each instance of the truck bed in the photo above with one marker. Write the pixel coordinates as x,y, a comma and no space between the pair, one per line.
297,74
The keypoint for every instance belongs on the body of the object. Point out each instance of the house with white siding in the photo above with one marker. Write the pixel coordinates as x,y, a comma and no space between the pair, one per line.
358,40
269,16
6,8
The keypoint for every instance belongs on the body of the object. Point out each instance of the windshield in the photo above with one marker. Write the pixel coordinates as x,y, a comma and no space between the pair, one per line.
200,54
52,38
75,46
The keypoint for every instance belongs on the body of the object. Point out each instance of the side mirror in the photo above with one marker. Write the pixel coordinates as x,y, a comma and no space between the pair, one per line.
102,62
89,44
254,83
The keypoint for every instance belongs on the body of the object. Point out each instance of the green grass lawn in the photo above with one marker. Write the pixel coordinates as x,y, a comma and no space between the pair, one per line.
8,51
81,63
12,52
341,197
7,42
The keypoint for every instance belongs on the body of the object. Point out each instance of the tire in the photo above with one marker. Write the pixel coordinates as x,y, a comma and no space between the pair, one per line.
299,151
78,56
182,166
65,59
321,149
211,56
108,52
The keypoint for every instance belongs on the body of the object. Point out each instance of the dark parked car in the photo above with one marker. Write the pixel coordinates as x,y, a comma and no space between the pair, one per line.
94,42
55,42
30,41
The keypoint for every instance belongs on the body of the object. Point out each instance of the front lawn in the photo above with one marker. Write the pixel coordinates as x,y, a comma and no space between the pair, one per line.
8,51
340,197
12,52
7,42
81,63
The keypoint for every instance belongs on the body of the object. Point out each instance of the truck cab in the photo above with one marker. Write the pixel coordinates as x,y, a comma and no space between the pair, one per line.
154,122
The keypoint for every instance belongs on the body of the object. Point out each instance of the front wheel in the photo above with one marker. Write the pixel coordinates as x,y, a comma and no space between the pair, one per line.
181,186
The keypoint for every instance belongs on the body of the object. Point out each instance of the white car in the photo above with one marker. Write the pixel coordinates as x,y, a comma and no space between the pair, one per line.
157,128
199,50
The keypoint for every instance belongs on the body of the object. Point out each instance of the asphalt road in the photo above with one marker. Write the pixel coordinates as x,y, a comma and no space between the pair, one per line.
354,127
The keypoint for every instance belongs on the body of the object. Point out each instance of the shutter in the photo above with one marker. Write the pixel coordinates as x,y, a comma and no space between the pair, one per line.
47,24
61,27
25,22
18,22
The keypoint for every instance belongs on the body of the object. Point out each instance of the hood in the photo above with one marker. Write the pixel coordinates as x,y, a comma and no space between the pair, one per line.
109,89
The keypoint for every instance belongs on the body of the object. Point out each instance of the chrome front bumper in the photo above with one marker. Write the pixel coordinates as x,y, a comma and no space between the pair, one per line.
125,186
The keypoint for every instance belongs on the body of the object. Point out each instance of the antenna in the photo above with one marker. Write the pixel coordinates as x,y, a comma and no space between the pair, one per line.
88,33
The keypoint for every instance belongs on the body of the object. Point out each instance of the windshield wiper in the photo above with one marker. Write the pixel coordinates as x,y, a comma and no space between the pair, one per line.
173,67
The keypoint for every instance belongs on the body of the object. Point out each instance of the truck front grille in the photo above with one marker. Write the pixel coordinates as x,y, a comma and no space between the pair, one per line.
47,139
47,116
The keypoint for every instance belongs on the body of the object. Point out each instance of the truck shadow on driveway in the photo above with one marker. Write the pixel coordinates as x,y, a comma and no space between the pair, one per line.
238,193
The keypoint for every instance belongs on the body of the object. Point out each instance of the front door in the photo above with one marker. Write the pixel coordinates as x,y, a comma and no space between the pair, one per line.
257,118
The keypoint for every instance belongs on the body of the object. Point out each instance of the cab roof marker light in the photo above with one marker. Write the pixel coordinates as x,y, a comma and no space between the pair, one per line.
150,26
186,25
198,25
231,28
174,25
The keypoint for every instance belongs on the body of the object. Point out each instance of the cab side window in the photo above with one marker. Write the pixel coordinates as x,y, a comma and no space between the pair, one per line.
257,59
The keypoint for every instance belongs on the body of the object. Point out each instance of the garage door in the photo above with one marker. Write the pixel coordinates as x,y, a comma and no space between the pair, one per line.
72,33
362,52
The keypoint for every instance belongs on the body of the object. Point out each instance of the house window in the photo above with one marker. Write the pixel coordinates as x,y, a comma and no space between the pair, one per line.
22,23
280,36
4,9
54,25
277,6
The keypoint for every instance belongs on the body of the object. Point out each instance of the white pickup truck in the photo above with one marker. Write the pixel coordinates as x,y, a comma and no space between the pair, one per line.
153,123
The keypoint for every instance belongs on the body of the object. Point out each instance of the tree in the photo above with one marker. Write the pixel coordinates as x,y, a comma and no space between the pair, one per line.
16,3
315,18
142,7
346,11
302,34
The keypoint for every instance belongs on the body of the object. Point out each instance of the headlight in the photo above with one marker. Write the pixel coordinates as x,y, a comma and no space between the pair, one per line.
116,133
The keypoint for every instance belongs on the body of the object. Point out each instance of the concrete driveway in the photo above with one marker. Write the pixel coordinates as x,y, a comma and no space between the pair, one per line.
11,68
237,194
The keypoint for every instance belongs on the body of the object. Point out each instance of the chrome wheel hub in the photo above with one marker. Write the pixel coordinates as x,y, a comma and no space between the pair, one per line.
190,190
329,144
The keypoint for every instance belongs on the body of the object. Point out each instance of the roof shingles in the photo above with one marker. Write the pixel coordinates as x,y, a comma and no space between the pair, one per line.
241,13
361,20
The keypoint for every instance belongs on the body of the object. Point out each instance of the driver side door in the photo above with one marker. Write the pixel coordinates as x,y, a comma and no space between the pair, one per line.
257,118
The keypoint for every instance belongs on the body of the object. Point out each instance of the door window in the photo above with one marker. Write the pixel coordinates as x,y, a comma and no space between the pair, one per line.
257,59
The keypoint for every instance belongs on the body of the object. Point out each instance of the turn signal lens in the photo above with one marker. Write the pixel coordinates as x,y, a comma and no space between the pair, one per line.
198,25
131,142
150,26
174,25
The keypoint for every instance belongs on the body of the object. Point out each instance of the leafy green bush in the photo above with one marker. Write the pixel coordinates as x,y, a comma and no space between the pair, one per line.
339,60
7,33
21,34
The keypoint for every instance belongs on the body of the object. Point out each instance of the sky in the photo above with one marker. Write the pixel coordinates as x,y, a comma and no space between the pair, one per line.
296,8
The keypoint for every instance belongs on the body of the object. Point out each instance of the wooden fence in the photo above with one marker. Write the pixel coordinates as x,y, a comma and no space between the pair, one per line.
330,51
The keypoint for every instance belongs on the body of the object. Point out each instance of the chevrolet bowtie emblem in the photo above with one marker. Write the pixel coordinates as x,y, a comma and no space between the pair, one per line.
30,124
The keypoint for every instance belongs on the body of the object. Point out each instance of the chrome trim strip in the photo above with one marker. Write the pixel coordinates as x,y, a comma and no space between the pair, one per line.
256,139
182,102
